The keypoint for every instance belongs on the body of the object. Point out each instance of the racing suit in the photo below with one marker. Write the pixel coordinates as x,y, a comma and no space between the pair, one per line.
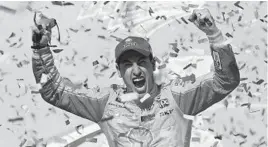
125,124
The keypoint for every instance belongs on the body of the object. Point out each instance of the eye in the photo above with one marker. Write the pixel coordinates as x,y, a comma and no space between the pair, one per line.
142,62
127,64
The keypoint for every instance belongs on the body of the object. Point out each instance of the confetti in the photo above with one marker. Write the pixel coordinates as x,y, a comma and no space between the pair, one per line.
67,122
262,20
185,8
263,112
112,75
183,47
173,54
13,44
79,129
243,79
94,140
162,66
244,85
16,119
184,20
164,17
178,21
258,82
12,35
192,5
23,142
241,143
87,30
7,10
61,3
57,50
218,137
95,63
114,87
100,36
242,66
145,97
223,15
237,5
157,60
239,18
231,14
246,104
106,119
226,103
229,35
187,66
150,11
240,134
249,94
215,144
73,30
211,130
106,2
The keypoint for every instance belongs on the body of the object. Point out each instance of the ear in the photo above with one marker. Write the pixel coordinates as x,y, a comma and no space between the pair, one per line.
118,71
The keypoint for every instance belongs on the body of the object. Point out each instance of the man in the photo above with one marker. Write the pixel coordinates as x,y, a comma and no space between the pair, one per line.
155,117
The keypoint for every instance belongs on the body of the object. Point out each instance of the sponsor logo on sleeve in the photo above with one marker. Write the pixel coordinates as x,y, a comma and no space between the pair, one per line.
217,61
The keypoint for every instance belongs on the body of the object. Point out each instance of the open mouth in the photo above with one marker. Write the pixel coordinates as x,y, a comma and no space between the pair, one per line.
139,82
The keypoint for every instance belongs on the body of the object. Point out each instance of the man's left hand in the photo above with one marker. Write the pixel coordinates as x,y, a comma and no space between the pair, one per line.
204,21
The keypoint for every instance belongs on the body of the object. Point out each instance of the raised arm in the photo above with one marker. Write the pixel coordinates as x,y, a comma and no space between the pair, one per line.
193,98
60,91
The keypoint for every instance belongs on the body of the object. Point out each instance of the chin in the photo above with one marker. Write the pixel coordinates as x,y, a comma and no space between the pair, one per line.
141,90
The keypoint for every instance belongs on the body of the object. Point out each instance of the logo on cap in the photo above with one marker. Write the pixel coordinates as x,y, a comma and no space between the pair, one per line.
129,42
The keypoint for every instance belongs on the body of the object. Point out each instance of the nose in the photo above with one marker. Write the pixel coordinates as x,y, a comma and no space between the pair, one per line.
136,70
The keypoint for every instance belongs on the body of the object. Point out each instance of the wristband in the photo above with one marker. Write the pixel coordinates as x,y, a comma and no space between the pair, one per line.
216,38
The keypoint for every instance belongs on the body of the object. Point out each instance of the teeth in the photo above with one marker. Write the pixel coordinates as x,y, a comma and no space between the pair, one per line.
137,80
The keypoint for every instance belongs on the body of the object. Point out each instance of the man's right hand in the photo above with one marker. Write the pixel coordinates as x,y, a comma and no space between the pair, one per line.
41,38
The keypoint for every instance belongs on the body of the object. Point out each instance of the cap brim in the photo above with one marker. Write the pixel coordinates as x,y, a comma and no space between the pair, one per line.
142,51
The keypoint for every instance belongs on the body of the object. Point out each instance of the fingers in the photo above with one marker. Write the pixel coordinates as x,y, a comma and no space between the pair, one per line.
201,18
41,37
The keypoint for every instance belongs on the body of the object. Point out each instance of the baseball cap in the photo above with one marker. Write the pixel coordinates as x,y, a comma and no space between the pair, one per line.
133,43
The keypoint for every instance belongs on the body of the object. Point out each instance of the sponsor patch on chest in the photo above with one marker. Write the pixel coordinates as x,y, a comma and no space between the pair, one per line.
166,112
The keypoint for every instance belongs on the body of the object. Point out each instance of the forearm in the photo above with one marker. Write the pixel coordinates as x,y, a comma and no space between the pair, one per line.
43,67
61,92
226,70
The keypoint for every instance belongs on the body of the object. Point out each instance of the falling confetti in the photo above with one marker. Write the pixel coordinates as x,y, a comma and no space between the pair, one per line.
112,75
79,129
16,119
187,66
229,35
182,18
95,63
57,50
237,5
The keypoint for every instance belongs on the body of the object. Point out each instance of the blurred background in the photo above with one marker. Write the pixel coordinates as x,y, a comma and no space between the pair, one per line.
89,33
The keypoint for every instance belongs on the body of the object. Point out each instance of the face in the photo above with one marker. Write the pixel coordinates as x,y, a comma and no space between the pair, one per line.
136,71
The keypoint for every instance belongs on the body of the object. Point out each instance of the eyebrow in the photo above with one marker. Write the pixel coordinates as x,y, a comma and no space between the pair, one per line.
142,58
126,60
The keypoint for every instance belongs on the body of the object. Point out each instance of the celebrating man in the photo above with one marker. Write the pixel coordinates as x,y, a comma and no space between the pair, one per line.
144,113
